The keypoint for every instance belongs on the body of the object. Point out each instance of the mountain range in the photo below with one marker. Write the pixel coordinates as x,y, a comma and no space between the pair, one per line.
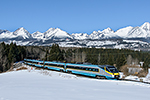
97,38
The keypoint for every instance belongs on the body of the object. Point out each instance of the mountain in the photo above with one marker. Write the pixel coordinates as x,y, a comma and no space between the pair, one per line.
57,33
51,33
135,32
105,34
123,32
21,32
38,35
128,37
80,36
5,34
146,26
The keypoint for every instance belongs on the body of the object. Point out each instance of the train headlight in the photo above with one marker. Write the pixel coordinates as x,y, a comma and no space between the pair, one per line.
113,76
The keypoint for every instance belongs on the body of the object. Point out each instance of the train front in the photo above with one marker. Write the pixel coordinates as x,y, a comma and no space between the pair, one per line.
114,72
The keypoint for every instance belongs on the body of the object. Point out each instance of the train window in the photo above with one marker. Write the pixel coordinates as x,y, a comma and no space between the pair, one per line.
76,67
70,66
96,70
84,68
53,64
61,65
107,69
46,64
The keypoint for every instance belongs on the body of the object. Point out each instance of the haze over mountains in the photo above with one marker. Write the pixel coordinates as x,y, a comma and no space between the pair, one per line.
22,37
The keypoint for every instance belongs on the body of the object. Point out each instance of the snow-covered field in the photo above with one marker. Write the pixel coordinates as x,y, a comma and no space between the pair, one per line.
51,85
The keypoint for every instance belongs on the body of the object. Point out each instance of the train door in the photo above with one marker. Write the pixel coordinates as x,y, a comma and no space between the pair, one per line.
65,67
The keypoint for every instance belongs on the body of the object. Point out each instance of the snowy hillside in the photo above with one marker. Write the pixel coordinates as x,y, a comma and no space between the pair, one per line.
51,85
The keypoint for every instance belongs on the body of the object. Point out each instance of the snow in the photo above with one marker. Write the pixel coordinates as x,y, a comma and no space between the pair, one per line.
19,32
22,32
50,85
55,33
123,32
80,36
135,41
120,46
106,33
96,38
38,35
146,26
100,43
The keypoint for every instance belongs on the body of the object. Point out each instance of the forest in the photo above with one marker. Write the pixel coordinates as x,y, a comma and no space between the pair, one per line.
10,53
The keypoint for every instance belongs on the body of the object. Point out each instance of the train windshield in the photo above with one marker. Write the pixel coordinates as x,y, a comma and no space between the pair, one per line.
112,69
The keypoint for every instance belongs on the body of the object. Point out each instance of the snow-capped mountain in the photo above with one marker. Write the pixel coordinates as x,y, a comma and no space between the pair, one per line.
123,32
135,32
5,34
146,26
57,33
80,36
38,35
21,32
105,34
121,38
51,33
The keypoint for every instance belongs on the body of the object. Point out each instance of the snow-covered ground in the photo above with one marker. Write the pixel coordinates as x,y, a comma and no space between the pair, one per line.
50,85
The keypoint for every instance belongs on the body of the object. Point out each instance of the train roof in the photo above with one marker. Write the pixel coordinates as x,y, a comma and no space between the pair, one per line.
71,64
54,62
33,60
106,66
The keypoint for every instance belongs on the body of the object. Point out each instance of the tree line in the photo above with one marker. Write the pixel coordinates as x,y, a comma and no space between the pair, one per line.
10,53
117,57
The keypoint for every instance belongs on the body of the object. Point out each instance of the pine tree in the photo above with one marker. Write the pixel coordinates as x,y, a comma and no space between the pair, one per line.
121,60
111,60
55,53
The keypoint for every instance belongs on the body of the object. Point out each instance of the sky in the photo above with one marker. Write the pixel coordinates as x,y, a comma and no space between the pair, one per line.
73,16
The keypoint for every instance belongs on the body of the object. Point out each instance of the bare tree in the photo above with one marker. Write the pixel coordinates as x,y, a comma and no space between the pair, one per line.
83,56
129,60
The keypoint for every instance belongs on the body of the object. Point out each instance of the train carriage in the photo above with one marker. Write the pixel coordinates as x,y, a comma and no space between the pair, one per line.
38,63
54,66
98,71
28,62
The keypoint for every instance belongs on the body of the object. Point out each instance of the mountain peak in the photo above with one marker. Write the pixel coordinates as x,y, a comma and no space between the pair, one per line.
22,33
146,26
21,29
108,30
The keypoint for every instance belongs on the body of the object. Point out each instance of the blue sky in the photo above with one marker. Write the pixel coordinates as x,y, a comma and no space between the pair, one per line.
73,16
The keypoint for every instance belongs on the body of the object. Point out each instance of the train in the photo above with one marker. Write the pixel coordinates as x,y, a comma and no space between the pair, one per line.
85,69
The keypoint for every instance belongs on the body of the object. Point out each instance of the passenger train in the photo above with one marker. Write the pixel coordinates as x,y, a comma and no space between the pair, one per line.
97,71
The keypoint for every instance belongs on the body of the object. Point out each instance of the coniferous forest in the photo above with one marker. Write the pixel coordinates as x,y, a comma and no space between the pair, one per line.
10,53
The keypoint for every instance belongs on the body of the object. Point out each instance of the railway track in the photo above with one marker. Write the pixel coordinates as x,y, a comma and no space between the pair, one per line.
134,81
